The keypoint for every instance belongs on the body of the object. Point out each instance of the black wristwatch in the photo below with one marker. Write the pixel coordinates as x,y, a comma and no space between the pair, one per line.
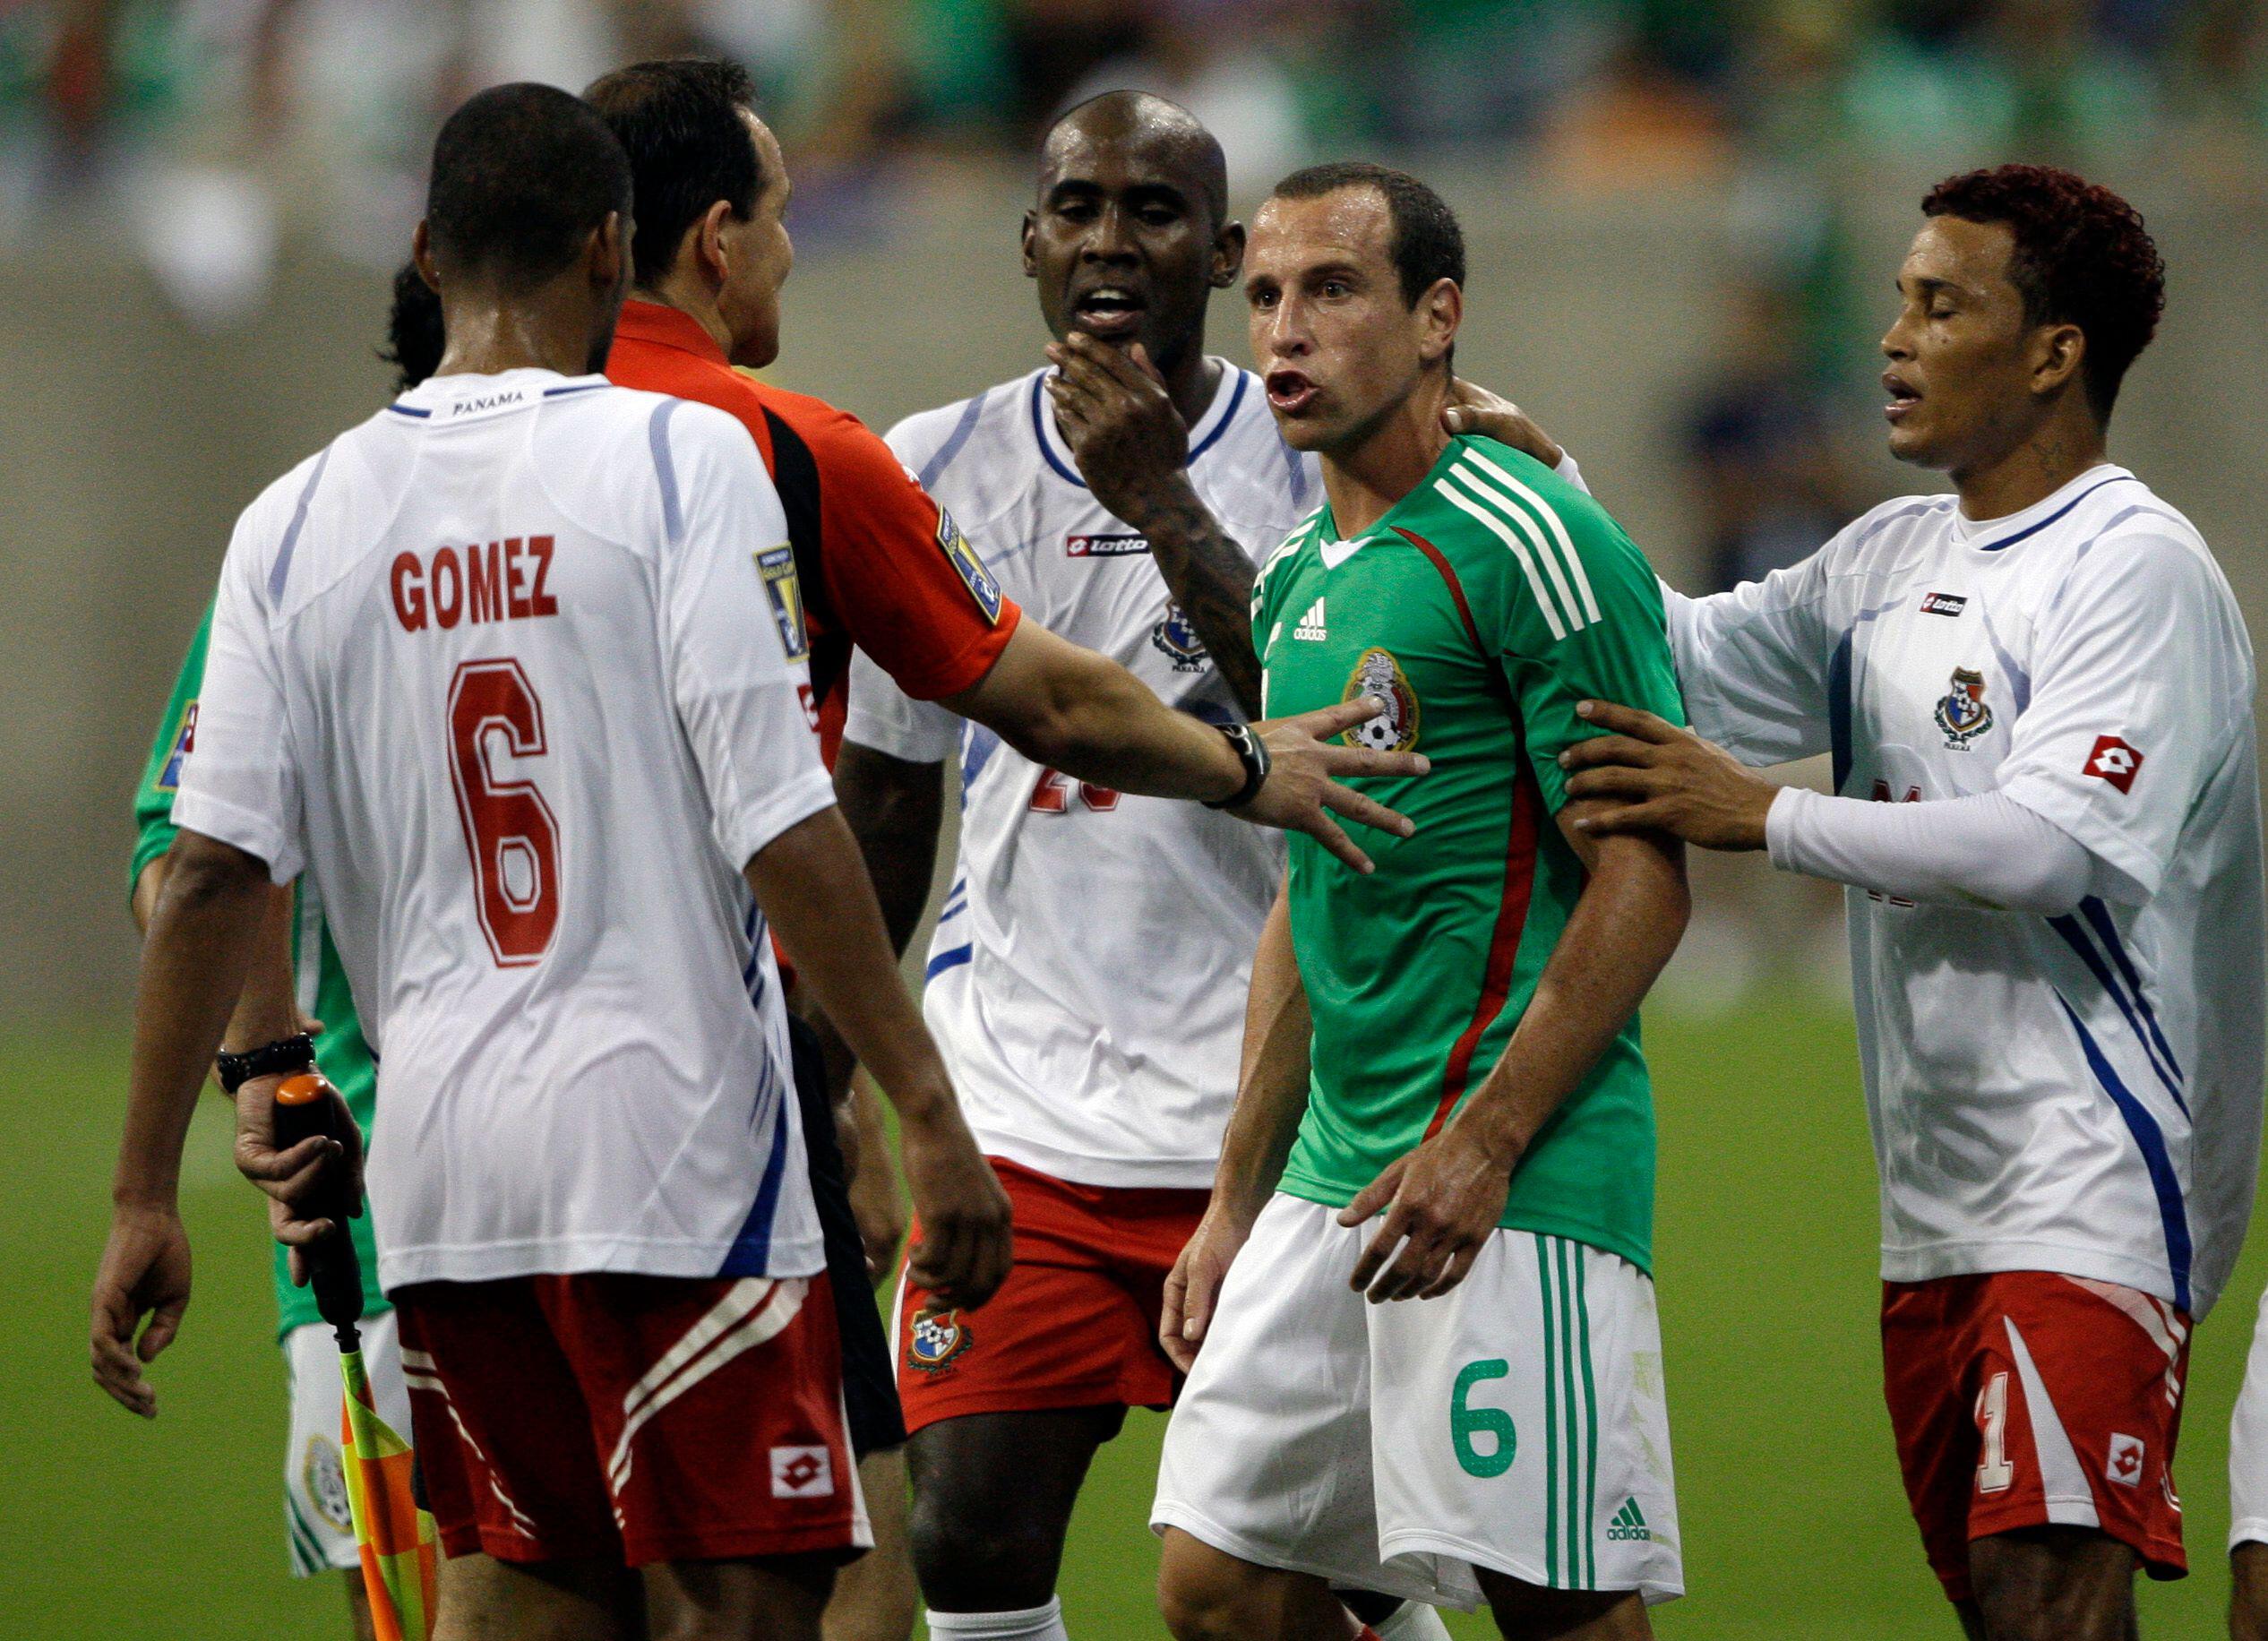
293,1053
1251,752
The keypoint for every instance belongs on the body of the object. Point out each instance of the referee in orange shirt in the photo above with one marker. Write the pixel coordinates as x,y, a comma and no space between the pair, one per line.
878,564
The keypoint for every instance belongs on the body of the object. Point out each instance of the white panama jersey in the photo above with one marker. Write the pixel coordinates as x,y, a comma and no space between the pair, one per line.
2079,1093
1087,979
510,670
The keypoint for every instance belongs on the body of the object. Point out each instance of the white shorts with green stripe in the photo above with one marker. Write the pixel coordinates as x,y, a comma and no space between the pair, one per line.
316,1520
1514,1424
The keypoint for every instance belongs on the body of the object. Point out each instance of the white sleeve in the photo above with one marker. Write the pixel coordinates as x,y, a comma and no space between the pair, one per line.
1567,470
743,701
2139,670
241,782
885,718
1986,851
1753,663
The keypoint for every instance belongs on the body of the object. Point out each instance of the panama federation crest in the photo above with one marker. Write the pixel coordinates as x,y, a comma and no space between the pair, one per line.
1394,730
1962,711
1175,638
935,1339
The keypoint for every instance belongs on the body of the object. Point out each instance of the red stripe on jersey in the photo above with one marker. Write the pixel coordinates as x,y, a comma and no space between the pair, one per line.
1519,873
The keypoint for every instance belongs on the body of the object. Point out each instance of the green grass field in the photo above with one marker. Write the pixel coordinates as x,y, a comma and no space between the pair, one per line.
1795,1525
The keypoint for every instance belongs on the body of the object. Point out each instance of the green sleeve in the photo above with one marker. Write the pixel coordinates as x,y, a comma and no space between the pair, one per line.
1594,633
1267,598
153,800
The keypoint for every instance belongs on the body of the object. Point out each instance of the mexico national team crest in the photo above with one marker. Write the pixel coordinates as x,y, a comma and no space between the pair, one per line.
1962,711
1394,730
323,1474
936,1338
978,580
1176,640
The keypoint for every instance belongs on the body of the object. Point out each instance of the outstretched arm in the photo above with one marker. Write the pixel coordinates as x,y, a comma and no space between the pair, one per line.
1985,850
1447,1195
1071,709
1133,450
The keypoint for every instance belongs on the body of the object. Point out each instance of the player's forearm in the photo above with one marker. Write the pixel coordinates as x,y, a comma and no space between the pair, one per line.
204,929
894,809
146,887
814,891
1210,578
1624,928
268,1007
1079,712
1984,850
1272,1088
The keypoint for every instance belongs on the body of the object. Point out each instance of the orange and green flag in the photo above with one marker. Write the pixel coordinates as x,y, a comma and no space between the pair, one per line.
394,1533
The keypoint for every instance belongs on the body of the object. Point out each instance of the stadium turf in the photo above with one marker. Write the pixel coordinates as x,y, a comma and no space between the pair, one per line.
1793,1523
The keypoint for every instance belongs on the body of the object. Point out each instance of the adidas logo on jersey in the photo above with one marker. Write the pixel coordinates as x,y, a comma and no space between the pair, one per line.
1311,625
1629,1523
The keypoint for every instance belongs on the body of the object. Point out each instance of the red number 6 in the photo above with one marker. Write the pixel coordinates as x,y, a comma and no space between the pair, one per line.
509,829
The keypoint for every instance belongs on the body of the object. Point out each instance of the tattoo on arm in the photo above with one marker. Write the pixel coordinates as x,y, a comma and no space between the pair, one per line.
1210,577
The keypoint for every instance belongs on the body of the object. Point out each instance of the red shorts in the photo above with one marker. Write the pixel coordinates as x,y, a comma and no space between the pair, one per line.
629,1418
2024,1398
1075,1324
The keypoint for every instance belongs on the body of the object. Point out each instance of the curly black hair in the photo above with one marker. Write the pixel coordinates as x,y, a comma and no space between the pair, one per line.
414,339
2081,257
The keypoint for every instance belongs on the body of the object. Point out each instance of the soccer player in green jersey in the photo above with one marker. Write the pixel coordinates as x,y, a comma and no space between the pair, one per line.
1450,1041
319,1531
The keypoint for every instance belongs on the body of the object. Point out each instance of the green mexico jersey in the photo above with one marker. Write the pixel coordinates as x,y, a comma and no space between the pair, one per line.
341,1054
1484,604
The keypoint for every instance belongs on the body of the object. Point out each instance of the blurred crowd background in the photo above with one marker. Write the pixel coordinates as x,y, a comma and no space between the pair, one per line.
1685,217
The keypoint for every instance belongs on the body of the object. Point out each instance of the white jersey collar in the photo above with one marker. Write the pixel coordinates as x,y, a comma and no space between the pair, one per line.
1228,398
1991,535
462,397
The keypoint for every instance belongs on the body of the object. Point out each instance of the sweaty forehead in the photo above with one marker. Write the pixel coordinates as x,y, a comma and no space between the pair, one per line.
1956,251
1115,153
1349,225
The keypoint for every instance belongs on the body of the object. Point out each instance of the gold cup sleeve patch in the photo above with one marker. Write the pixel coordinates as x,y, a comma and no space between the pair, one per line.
777,567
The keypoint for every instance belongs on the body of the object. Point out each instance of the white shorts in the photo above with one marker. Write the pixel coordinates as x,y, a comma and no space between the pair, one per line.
2249,1444
1517,1423
316,1520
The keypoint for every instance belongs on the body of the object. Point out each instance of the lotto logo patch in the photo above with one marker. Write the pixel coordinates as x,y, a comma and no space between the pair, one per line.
1105,546
2124,1464
2115,762
1943,603
802,1473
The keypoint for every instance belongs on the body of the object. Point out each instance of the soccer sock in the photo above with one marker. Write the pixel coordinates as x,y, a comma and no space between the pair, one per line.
1032,1624
1412,1621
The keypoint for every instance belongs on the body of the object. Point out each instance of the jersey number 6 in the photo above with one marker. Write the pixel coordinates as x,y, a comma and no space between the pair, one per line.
509,829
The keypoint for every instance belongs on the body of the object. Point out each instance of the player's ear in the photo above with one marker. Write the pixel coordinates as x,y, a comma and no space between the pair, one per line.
708,242
609,251
421,252
1440,311
1029,232
1228,255
2057,351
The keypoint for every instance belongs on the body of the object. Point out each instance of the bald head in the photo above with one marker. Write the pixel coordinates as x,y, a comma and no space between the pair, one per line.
1166,135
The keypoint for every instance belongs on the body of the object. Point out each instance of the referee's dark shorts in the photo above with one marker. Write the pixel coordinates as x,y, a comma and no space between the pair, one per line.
869,1385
